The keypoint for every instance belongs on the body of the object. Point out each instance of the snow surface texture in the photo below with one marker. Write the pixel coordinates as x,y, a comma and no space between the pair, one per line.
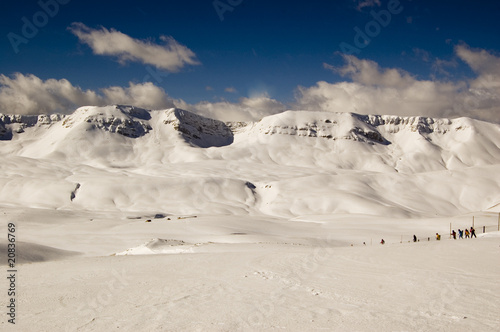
254,274
251,226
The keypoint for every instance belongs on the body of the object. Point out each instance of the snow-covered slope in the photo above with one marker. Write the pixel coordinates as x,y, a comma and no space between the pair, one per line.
410,145
274,223
289,164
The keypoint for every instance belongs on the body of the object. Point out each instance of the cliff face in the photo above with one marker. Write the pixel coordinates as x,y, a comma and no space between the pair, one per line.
350,126
198,130
10,124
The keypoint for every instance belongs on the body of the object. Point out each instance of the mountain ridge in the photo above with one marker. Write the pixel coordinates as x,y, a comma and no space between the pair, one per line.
286,165
398,142
182,118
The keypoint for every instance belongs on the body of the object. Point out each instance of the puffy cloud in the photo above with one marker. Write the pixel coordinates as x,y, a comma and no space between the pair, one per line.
422,98
171,56
247,109
375,90
368,89
30,95
146,95
485,64
368,72
230,89
481,61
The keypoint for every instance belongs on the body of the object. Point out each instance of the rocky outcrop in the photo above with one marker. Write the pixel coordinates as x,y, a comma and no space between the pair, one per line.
198,130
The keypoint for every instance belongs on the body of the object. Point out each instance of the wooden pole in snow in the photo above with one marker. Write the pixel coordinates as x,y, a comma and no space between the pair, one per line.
450,230
472,221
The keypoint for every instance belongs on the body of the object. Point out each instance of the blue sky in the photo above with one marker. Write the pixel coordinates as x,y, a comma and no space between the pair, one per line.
260,48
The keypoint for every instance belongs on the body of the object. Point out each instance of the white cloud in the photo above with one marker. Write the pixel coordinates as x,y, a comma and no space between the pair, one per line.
422,98
230,89
30,95
171,56
485,64
375,90
146,95
247,109
481,61
368,89
484,94
368,72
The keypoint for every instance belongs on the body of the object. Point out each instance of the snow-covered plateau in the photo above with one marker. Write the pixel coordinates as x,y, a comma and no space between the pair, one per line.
164,220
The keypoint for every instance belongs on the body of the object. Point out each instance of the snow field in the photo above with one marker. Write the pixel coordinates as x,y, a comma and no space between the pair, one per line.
256,228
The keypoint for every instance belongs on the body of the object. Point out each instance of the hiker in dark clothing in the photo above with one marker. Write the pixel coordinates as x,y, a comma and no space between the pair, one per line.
414,238
460,233
472,232
454,234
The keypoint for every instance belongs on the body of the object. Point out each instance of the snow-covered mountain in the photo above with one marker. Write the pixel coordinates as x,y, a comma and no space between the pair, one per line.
289,164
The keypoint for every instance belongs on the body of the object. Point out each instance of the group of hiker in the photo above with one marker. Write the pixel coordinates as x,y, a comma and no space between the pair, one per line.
461,232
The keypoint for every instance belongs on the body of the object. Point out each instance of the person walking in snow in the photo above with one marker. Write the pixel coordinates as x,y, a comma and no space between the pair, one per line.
454,234
438,237
472,232
466,233
414,238
460,233
382,242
